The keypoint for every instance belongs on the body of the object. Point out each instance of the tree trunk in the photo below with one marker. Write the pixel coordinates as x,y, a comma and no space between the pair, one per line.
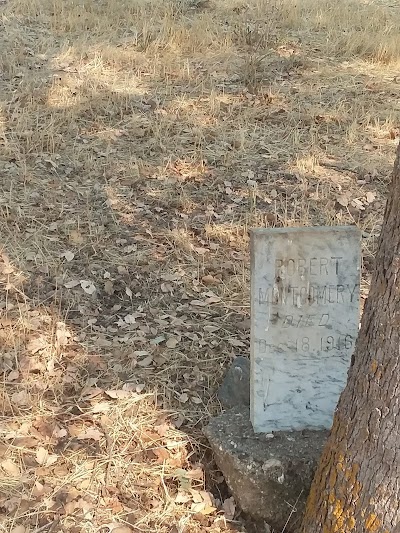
356,488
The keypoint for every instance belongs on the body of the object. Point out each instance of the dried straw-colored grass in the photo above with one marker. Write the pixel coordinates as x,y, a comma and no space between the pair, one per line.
139,141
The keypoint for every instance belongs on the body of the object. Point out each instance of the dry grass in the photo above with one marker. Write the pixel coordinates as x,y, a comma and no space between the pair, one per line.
138,143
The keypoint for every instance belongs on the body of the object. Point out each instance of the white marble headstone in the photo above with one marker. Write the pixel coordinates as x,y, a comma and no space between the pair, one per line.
305,286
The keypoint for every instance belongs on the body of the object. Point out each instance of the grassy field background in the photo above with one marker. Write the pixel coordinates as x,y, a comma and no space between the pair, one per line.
139,142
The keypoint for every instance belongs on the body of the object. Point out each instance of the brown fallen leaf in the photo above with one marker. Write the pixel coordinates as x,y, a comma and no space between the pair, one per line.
13,503
44,427
178,421
70,507
150,436
84,484
62,334
61,471
162,454
208,509
43,457
101,407
166,287
195,473
37,344
68,255
183,398
75,237
343,200
90,392
211,329
109,287
38,490
182,497
197,507
25,442
13,375
368,147
103,342
357,203
71,284
162,429
72,493
272,218
243,324
21,399
130,319
19,529
90,434
201,251
210,280
119,394
196,495
198,303
5,322
115,527
235,342
88,286
370,196
128,292
31,364
172,342
196,400
157,340
213,300
87,508
140,353
146,361
10,468
207,497
229,508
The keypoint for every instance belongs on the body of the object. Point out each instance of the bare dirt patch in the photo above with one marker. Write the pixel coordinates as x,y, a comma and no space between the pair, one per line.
139,141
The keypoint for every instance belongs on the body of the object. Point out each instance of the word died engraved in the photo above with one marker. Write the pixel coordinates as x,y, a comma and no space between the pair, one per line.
299,321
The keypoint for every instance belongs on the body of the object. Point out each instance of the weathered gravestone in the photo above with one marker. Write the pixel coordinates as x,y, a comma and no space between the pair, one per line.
304,324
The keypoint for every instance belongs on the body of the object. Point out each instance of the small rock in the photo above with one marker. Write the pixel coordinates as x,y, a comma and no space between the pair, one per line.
235,389
269,478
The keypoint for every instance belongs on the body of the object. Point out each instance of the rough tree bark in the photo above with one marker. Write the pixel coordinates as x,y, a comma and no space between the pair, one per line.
356,488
